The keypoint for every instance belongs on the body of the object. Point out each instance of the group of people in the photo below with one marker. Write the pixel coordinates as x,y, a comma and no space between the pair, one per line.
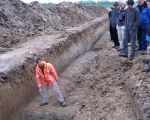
129,23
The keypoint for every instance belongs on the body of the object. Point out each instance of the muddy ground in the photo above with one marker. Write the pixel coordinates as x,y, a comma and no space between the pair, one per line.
94,87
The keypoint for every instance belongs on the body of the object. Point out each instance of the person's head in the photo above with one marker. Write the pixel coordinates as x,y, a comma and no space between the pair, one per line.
41,64
140,2
148,3
122,4
130,4
116,5
38,60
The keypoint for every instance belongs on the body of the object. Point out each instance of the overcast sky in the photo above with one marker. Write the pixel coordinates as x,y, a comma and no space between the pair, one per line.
53,1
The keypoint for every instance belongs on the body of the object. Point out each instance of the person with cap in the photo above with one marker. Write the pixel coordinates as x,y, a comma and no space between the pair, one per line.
113,23
121,23
46,77
131,26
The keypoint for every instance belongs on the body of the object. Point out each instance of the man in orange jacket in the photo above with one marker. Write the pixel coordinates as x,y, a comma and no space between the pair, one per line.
46,76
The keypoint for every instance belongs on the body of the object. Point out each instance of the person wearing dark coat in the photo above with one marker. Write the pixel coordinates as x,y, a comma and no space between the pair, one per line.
110,27
113,23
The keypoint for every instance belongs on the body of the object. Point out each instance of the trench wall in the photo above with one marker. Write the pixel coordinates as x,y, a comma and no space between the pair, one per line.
18,86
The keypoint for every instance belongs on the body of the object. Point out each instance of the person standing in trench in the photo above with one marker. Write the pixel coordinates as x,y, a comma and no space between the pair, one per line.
46,77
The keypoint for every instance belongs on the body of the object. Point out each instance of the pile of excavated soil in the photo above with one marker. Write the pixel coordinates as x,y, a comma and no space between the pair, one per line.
20,21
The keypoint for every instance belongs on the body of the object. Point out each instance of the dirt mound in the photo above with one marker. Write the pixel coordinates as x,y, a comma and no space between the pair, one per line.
71,14
19,21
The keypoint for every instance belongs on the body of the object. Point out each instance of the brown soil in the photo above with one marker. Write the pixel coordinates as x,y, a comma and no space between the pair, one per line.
97,86
18,66
94,89
20,21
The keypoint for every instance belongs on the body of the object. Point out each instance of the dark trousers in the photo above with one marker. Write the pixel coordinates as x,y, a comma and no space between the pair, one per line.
129,35
115,36
142,39
111,32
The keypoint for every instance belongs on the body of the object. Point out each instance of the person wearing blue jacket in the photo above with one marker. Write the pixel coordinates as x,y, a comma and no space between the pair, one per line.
144,19
147,68
148,27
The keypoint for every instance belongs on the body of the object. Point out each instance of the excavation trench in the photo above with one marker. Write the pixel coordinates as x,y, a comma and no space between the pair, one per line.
17,80
96,83
94,89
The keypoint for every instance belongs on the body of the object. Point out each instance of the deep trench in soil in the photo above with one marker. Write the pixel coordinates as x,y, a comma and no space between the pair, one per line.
93,86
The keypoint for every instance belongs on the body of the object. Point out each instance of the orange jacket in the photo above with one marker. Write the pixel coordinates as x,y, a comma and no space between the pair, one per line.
49,74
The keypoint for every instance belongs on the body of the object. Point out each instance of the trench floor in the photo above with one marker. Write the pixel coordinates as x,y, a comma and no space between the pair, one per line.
93,86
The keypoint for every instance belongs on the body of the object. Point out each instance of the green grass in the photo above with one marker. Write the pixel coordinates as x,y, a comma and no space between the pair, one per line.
92,3
48,5
82,3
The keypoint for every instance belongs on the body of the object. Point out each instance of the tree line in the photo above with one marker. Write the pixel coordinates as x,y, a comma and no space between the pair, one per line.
82,3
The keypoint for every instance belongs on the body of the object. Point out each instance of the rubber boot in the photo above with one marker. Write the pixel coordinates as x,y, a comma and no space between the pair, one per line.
43,104
63,104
